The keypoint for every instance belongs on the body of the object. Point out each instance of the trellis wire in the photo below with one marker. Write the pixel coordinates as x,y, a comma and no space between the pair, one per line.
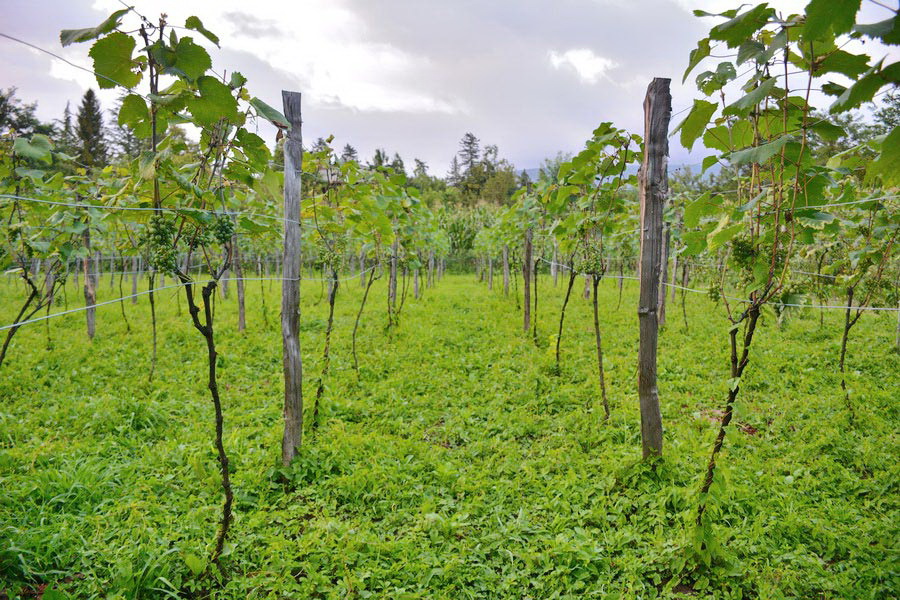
173,286
823,306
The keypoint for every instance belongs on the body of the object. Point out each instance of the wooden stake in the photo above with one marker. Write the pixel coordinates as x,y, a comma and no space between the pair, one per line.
290,285
654,187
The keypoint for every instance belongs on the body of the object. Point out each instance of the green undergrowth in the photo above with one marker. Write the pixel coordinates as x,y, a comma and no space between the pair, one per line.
459,464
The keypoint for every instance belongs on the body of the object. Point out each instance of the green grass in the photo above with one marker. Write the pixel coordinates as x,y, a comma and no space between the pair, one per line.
459,466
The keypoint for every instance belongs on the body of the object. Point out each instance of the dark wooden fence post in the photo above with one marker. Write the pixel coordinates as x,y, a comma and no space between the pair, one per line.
654,187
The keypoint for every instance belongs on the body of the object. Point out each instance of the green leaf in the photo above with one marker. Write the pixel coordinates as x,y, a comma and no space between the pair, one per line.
863,90
827,131
737,30
113,64
695,123
73,36
215,102
197,25
185,59
759,154
196,564
826,19
36,175
236,80
723,235
745,104
748,50
698,54
52,594
253,227
38,148
888,31
270,114
887,165
709,82
839,61
813,218
703,206
191,59
134,111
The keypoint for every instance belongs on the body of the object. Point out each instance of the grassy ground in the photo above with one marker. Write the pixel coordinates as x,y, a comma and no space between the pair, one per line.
460,465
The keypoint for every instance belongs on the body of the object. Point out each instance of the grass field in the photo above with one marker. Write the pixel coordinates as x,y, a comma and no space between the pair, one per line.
460,465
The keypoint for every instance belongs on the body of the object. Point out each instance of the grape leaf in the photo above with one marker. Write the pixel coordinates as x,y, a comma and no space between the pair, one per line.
73,36
113,64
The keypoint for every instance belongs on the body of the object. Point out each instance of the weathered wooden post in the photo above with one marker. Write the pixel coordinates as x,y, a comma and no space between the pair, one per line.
526,279
654,187
506,270
290,284
90,288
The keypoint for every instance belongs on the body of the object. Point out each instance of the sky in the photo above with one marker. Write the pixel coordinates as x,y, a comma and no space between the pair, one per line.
534,77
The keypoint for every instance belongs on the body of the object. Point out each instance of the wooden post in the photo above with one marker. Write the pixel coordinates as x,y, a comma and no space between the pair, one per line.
526,279
506,270
554,268
654,187
290,285
490,273
90,289
392,276
239,280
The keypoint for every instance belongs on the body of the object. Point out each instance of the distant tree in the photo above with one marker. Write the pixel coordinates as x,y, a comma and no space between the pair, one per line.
124,145
20,117
349,154
888,115
469,152
453,175
67,141
92,150
319,145
421,169
397,164
379,159
549,169
855,132
524,180
500,185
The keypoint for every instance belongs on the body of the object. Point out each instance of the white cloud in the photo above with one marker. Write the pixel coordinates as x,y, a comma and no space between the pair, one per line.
589,66
320,46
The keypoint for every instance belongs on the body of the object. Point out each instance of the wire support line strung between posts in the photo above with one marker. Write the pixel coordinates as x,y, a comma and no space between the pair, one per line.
169,287
149,209
735,298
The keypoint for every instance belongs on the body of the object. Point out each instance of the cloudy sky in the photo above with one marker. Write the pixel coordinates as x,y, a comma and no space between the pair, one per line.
412,76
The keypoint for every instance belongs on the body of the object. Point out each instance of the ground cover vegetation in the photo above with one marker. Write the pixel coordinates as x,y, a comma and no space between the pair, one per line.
461,435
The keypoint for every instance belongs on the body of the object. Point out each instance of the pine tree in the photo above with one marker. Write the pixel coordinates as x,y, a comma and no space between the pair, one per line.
67,140
421,169
454,176
124,144
380,159
469,151
349,154
524,180
91,143
397,164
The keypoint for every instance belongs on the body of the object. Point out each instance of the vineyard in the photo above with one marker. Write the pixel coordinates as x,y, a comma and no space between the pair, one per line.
234,367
